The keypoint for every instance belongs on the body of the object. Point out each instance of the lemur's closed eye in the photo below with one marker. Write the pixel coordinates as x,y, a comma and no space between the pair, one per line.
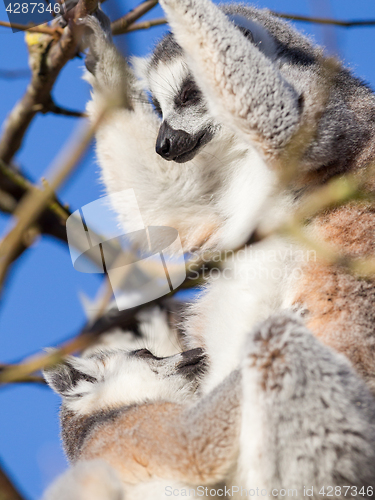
189,94
193,363
144,353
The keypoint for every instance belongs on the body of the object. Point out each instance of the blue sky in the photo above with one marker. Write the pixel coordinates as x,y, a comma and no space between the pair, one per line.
40,305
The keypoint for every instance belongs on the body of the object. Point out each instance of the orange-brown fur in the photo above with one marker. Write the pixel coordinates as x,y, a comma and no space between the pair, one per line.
339,305
149,441
350,229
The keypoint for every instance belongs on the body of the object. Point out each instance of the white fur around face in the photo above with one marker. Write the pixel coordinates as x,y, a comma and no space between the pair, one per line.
124,379
165,83
213,200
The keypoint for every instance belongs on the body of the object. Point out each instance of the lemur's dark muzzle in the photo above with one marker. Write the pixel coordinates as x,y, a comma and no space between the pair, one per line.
176,145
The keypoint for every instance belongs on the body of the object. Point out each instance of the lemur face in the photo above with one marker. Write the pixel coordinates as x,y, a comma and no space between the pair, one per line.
186,124
115,378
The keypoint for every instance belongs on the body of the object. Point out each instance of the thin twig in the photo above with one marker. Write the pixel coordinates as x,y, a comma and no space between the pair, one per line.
145,25
15,373
36,96
58,110
55,32
320,20
316,20
52,221
13,187
121,25
337,192
87,335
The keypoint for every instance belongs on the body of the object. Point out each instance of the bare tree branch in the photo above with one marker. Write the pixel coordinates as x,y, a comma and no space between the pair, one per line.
51,107
52,57
47,30
337,192
317,20
121,25
7,489
52,221
146,24
87,335
37,95
14,185
28,379
320,20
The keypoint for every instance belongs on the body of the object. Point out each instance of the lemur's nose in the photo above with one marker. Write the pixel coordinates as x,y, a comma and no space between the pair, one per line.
164,148
172,143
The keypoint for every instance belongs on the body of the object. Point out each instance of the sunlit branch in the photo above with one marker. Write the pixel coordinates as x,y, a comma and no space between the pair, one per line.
121,25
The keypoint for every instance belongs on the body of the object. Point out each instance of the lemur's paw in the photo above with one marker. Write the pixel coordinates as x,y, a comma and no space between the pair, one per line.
97,38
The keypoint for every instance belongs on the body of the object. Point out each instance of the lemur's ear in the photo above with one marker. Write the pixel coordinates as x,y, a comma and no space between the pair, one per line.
65,376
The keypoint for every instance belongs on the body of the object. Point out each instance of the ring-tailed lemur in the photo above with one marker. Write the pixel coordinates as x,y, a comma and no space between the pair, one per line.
295,416
235,93
233,96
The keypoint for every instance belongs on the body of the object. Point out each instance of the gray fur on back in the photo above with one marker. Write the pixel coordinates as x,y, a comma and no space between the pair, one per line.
317,415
